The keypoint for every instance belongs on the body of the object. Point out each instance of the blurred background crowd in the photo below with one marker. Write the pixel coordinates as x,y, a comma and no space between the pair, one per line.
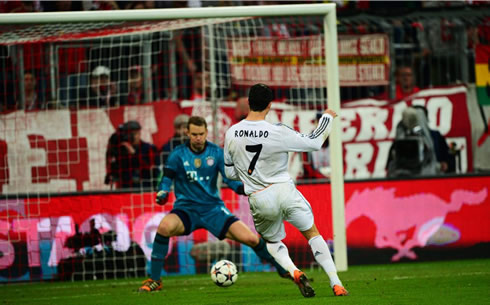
431,44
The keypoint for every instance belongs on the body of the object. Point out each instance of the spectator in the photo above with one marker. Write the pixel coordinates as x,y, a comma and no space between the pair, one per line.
102,91
412,151
446,161
200,87
31,98
131,162
180,136
405,83
135,84
94,236
187,60
242,109
20,6
454,165
188,47
137,5
442,42
100,5
62,6
7,84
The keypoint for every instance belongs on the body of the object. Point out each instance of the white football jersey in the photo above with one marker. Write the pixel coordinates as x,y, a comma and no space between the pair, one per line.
256,152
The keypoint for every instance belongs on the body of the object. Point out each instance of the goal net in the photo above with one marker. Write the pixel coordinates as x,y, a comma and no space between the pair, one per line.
72,88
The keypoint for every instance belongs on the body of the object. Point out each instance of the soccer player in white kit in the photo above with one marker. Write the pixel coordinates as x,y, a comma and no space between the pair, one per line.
256,152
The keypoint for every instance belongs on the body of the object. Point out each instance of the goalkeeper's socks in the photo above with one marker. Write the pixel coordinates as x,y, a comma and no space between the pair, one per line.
281,254
261,251
160,249
322,255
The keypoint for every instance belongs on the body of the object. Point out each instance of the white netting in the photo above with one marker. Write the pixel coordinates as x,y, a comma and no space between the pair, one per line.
78,31
285,53
85,73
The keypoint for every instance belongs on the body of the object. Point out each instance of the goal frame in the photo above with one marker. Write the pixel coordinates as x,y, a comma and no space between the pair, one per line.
333,90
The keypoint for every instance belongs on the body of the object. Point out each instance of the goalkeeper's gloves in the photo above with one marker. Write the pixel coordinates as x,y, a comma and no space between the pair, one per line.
162,197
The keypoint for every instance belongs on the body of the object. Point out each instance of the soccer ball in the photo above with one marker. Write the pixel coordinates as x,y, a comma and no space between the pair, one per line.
224,273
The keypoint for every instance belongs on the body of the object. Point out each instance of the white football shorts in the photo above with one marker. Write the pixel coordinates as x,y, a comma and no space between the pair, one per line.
276,203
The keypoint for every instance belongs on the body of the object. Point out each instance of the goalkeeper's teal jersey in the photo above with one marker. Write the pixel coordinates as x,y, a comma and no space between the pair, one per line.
195,176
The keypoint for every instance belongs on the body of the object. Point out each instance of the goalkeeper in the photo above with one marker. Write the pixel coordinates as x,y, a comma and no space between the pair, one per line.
194,167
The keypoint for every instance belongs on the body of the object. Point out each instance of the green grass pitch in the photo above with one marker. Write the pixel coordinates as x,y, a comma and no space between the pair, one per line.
448,282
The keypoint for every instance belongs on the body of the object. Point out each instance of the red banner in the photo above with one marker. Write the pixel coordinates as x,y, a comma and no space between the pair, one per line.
286,62
63,150
399,215
369,126
57,151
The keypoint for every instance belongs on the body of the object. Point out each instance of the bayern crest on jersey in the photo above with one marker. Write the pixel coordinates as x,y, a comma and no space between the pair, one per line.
210,161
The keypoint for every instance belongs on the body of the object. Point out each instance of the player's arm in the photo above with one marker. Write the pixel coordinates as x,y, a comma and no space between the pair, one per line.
169,173
235,185
295,141
229,167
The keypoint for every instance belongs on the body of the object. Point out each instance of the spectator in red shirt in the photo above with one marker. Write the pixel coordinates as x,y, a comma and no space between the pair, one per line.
405,83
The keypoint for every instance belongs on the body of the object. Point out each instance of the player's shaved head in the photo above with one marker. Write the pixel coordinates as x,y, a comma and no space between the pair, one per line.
259,97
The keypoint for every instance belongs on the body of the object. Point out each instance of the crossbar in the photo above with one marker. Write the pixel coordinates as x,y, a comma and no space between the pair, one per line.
163,14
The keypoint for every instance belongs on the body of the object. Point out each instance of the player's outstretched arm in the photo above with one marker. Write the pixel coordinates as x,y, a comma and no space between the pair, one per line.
298,142
169,173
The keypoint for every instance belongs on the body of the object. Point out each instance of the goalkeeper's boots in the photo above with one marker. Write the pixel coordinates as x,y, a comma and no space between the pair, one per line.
339,291
150,285
303,284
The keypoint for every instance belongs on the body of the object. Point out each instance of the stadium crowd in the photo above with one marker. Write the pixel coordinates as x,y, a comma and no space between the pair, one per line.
426,54
428,46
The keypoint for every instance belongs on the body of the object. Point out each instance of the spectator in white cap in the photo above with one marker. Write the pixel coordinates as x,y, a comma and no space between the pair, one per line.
180,136
102,92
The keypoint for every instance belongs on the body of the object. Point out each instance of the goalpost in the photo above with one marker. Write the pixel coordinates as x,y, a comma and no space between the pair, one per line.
280,45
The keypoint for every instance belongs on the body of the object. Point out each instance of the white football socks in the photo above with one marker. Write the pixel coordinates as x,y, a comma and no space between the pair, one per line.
322,255
281,254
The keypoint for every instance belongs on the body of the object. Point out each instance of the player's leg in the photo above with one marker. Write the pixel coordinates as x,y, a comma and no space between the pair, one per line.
302,217
281,254
267,211
267,216
271,227
171,225
322,255
241,233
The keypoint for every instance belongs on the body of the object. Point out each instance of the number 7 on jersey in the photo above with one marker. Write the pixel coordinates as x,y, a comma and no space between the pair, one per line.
254,149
